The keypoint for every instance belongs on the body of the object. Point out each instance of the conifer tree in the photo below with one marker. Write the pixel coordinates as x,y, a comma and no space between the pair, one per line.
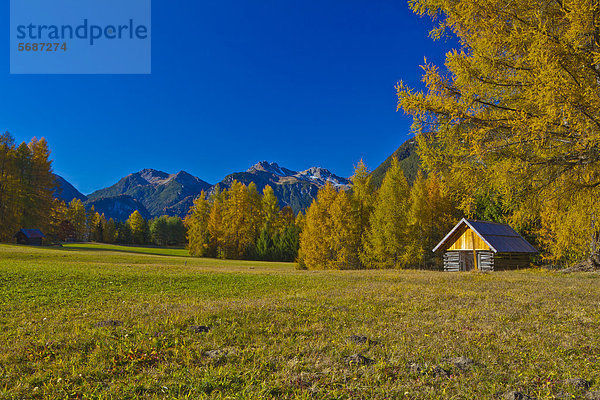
345,233
198,235
110,232
316,244
43,183
216,224
58,215
516,109
362,196
431,214
385,241
76,215
264,246
270,210
9,218
124,235
159,230
139,227
287,243
241,220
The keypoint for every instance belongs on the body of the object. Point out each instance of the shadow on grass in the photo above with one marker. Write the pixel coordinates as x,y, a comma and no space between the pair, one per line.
147,250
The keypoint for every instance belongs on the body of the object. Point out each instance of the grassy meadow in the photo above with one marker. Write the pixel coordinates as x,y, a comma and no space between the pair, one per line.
102,322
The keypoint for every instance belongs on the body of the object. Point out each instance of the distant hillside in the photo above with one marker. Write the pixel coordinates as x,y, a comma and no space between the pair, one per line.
296,189
118,207
408,159
158,191
65,191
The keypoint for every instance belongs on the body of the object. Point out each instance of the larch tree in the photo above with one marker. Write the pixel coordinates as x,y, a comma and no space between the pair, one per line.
345,233
316,244
270,210
362,200
198,235
385,243
241,220
216,227
76,215
43,183
431,214
9,188
139,227
518,110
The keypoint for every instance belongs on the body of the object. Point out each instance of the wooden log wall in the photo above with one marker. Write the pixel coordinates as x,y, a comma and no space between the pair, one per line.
452,261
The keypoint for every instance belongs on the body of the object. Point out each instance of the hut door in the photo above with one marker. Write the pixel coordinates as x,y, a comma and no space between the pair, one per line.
466,261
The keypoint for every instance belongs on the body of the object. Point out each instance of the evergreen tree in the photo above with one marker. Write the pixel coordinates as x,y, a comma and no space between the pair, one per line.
287,243
176,232
159,231
110,232
264,246
124,234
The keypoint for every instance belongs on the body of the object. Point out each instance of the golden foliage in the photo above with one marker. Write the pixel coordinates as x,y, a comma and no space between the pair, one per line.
518,111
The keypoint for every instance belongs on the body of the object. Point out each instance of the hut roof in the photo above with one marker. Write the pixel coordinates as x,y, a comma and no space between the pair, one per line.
32,233
500,237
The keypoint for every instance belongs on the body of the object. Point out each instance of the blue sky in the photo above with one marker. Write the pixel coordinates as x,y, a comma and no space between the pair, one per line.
302,83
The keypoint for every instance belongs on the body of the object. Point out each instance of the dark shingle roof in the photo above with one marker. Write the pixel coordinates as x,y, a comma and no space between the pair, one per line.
32,233
500,237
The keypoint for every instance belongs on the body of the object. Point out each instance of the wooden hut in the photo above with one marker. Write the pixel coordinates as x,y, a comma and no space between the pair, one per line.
32,237
484,246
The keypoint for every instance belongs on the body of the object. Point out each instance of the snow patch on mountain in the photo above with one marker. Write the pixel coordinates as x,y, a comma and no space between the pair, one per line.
316,175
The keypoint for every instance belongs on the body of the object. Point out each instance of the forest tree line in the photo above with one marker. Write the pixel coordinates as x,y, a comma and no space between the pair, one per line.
76,223
241,223
395,226
26,186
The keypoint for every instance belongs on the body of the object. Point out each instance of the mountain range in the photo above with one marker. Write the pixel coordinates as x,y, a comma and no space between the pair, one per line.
154,193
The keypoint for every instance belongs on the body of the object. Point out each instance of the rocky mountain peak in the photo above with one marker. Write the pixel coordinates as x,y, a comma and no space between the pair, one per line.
153,175
271,168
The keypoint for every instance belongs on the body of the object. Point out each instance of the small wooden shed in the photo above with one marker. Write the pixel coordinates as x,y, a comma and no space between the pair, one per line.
484,246
32,237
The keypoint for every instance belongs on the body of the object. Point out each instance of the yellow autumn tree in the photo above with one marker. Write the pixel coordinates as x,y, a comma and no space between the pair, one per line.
196,223
270,211
241,220
76,215
431,214
362,199
517,110
316,244
345,234
385,243
139,227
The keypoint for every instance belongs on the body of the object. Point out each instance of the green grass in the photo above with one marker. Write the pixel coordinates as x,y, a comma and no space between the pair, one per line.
283,332
160,251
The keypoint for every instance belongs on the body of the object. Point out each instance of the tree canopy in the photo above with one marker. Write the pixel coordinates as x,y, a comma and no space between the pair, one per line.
516,111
